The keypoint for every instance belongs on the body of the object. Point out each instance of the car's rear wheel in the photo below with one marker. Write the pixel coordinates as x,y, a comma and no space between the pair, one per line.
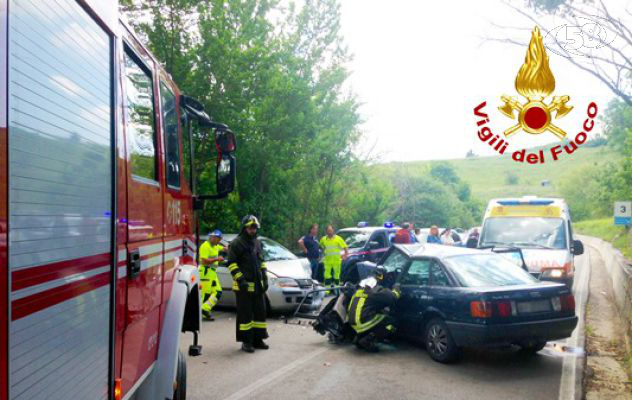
532,348
439,342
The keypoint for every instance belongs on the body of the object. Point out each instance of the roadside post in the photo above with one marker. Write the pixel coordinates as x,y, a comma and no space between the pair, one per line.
623,213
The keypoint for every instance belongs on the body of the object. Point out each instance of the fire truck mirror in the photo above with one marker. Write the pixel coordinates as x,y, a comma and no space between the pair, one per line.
225,140
226,172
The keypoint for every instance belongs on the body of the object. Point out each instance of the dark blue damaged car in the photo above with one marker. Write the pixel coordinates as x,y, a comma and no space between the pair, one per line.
455,297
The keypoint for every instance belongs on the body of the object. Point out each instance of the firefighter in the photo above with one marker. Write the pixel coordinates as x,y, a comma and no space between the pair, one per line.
211,289
250,283
332,246
366,312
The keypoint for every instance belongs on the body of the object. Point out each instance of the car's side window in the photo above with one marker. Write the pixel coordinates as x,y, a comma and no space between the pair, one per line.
395,260
418,273
439,276
379,238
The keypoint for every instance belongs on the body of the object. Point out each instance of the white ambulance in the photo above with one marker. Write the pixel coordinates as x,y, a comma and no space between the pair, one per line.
541,228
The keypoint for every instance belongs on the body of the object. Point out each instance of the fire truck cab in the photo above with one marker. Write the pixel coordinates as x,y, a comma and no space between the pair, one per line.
98,271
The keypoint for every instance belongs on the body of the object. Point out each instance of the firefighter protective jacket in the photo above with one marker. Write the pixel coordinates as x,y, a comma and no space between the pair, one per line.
245,262
367,306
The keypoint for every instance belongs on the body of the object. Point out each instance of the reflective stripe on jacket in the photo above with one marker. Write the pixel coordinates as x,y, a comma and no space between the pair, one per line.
366,307
332,247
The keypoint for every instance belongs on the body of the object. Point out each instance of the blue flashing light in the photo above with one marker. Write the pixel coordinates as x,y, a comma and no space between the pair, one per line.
530,202
541,202
363,224
388,224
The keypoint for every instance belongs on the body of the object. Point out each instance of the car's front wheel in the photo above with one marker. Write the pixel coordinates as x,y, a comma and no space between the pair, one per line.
439,342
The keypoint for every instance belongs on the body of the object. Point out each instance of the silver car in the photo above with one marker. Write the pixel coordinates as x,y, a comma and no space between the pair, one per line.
289,279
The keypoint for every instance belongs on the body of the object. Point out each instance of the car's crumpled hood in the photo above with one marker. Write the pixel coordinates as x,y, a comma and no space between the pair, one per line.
297,269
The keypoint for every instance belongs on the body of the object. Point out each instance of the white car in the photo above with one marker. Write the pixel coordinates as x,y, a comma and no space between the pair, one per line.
289,279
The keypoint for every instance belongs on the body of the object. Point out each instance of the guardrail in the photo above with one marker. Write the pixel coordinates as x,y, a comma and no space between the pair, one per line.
620,277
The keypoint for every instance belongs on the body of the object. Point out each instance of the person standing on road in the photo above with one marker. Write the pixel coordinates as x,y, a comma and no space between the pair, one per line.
446,237
411,231
210,287
472,239
333,245
403,234
433,237
250,283
309,244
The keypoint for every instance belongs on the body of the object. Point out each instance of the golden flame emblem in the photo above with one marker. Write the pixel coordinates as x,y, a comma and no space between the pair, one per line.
535,82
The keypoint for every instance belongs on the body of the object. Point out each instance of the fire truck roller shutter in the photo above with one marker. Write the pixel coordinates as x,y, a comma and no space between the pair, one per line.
60,201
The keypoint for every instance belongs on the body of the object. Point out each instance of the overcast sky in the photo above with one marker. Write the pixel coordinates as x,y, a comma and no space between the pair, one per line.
420,68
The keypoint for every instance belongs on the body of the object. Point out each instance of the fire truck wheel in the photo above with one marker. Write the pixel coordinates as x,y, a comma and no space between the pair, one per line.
181,378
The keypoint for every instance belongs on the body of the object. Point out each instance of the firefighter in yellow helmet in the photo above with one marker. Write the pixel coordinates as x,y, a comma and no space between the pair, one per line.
250,283
335,251
211,289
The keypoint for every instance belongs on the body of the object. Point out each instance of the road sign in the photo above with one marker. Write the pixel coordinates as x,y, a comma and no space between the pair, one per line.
623,213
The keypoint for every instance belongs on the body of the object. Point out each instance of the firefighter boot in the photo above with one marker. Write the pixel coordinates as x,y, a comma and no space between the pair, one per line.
261,345
247,347
368,343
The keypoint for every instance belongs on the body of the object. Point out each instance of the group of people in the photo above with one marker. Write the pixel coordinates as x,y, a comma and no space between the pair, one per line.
334,253
250,281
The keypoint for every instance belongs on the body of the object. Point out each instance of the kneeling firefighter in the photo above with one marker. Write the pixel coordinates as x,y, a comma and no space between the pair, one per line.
250,283
210,288
367,311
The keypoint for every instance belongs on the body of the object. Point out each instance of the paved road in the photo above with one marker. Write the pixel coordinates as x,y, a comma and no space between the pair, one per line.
302,365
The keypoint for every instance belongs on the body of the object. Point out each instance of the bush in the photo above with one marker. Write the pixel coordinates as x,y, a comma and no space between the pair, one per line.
511,178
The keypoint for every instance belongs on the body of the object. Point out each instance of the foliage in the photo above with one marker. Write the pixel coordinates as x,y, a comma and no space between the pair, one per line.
604,228
434,197
511,178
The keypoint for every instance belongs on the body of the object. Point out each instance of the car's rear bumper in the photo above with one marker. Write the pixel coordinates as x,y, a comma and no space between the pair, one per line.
466,334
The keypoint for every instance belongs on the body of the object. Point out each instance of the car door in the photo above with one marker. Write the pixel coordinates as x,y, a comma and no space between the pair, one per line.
441,295
415,288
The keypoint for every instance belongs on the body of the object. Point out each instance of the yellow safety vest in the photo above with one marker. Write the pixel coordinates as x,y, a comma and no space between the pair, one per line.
207,250
332,247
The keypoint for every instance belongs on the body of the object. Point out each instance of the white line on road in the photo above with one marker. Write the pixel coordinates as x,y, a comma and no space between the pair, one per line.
245,392
570,382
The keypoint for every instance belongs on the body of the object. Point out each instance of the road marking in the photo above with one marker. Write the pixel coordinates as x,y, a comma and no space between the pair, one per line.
245,392
569,382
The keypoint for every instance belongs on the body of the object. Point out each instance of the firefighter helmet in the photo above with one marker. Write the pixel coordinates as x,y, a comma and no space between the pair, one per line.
249,220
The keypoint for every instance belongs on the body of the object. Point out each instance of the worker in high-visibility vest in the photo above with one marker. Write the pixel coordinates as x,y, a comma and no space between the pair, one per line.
210,287
334,251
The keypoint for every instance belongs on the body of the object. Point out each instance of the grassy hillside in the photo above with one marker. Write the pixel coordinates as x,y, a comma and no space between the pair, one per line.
488,176
620,237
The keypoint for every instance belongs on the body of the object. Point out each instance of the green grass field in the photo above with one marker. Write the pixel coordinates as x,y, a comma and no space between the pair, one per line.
606,230
487,176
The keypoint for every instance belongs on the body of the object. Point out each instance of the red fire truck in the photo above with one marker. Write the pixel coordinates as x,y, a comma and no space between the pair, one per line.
98,268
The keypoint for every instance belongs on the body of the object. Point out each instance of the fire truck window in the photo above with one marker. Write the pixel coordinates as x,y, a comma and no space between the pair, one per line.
139,116
170,132
186,150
